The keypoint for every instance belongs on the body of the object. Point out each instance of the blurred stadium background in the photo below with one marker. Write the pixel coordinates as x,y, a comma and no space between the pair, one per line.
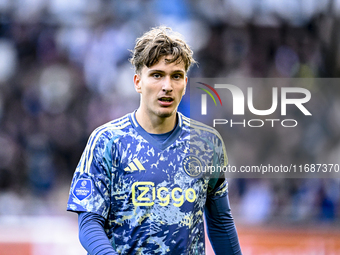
64,71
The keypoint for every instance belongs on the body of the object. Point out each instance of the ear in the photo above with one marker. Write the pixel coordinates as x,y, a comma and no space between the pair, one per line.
137,82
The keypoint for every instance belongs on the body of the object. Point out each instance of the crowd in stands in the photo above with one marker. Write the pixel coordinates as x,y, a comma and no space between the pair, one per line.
64,71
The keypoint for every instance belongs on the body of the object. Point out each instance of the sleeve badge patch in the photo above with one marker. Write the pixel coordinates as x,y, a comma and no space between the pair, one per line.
82,189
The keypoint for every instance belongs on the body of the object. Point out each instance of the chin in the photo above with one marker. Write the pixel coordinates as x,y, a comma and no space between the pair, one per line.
166,114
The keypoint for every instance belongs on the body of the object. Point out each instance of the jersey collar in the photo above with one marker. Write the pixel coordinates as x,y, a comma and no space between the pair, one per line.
161,145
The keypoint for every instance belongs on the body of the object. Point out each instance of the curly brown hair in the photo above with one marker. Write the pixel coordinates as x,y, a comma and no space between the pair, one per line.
158,42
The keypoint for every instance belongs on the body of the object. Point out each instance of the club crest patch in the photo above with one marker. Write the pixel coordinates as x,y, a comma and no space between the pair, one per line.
192,166
82,189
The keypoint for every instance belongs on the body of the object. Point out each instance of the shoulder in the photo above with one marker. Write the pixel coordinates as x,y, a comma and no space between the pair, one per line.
112,130
203,135
197,127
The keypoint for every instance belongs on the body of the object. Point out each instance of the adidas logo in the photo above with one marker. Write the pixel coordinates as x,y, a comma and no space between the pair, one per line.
135,165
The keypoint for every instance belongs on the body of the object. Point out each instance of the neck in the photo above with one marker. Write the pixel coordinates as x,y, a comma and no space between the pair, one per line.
154,124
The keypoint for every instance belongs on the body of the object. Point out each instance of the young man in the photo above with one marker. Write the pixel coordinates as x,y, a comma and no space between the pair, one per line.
137,187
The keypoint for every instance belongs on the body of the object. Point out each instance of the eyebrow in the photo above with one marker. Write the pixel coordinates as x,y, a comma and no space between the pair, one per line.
161,71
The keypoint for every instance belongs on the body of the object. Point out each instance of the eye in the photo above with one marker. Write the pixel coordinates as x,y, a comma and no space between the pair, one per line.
156,75
177,76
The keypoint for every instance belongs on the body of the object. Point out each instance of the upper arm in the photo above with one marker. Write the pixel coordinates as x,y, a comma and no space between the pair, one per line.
90,188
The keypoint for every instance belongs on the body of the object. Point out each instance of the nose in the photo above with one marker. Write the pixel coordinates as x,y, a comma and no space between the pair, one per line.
167,85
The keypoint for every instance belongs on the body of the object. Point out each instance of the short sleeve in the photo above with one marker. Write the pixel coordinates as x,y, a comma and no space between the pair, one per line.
218,185
90,187
220,189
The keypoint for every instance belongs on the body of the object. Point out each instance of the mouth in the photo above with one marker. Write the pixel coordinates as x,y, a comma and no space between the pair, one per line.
165,101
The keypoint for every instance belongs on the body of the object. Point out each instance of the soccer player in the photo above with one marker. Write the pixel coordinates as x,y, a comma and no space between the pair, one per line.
138,188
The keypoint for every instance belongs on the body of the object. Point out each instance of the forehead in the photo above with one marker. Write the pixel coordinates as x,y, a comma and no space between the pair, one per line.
164,65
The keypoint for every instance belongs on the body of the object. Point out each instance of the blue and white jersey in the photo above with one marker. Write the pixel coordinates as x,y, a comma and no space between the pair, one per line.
151,194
